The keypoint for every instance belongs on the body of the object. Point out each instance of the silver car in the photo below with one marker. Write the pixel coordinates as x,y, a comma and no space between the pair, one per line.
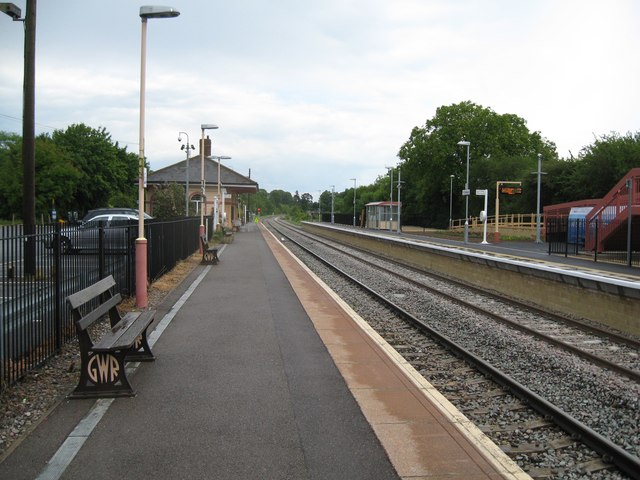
86,236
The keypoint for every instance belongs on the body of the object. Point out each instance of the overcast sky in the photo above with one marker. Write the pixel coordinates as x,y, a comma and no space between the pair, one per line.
309,94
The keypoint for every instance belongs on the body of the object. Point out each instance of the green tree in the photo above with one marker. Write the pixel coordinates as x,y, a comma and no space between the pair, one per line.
11,178
168,201
279,199
502,148
603,163
57,180
107,171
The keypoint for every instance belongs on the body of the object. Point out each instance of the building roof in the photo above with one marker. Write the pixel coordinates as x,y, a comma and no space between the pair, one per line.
382,204
230,179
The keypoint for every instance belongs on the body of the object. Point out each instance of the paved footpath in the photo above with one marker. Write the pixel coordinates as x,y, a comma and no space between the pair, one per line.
242,387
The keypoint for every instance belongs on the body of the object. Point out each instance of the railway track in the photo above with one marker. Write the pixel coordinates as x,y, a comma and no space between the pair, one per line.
608,349
498,399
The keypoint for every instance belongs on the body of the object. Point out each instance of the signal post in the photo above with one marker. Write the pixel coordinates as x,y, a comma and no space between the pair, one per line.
508,191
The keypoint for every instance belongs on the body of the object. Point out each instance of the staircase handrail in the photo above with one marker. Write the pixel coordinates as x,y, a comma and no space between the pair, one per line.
615,202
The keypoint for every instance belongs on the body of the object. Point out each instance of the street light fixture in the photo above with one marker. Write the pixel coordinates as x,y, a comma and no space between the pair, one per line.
12,10
203,127
186,148
220,212
354,201
466,193
146,12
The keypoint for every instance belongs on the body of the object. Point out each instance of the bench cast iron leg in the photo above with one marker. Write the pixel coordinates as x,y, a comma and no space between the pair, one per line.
103,375
141,351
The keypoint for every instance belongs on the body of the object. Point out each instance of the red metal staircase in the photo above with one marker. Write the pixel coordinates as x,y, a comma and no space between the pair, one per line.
607,223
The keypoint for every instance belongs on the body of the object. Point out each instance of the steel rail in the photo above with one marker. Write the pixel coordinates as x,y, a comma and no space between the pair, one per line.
532,308
602,362
610,452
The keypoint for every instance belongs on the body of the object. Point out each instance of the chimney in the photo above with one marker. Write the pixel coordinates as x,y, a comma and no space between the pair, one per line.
207,146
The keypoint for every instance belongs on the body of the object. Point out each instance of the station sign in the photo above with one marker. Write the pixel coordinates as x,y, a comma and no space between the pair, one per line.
466,192
482,191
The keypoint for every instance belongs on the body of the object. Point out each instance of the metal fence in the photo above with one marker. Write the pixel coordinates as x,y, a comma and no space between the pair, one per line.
567,236
39,271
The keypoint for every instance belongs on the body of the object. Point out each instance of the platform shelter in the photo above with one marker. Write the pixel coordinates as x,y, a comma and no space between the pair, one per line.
382,215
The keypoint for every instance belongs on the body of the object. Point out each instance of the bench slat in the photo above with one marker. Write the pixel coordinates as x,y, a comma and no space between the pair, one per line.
124,334
85,295
98,312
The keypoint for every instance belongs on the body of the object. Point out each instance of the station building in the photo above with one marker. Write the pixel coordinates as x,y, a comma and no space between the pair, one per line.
234,186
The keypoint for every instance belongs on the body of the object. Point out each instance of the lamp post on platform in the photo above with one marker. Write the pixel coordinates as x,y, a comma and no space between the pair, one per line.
220,212
390,198
186,147
400,182
466,193
203,127
333,194
141,242
451,201
540,173
354,201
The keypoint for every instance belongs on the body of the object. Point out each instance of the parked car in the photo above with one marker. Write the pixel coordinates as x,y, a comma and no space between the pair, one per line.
116,224
112,211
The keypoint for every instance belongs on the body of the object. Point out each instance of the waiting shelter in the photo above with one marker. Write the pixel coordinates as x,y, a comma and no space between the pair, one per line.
382,215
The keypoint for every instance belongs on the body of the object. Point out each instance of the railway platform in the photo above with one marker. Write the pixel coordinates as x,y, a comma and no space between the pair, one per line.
538,252
261,372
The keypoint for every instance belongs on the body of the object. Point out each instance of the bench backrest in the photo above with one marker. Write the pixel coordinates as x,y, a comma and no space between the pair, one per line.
92,303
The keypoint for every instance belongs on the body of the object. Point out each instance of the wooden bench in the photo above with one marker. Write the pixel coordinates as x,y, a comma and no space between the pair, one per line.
209,254
102,369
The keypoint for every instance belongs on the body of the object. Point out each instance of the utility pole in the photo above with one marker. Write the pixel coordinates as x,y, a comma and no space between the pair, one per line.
28,139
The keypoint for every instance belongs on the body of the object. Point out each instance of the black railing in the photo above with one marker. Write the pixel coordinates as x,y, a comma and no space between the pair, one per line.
34,321
340,218
566,236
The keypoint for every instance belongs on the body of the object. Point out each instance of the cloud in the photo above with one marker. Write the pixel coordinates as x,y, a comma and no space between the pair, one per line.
309,95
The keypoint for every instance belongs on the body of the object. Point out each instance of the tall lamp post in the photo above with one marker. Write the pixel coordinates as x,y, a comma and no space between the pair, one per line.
220,212
540,173
400,182
451,201
146,12
28,129
333,193
354,201
186,148
390,198
466,193
203,127
319,206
